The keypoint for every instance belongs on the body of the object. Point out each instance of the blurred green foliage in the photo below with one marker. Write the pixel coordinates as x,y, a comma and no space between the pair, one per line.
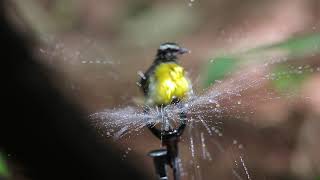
218,68
64,13
4,172
159,24
285,82
294,47
298,46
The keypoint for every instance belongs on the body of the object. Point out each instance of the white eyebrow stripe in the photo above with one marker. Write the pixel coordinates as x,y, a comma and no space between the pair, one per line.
168,46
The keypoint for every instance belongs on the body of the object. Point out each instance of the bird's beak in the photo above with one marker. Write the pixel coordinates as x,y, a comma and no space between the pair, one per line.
184,50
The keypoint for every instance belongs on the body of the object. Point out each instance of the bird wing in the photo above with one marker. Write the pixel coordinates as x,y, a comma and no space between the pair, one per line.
144,80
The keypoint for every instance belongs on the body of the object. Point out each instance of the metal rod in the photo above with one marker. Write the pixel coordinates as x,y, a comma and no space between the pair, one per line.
160,160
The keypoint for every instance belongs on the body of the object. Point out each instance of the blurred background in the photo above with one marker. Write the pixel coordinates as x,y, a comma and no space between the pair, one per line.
99,46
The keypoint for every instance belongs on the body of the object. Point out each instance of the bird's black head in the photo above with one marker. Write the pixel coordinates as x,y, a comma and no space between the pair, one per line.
169,52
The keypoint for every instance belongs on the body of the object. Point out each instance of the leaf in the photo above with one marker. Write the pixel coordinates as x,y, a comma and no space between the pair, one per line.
284,81
218,68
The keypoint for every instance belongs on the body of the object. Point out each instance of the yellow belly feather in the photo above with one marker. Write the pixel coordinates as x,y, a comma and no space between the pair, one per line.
169,82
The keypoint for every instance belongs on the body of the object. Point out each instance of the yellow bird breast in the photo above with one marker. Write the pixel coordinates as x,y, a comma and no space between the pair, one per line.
168,83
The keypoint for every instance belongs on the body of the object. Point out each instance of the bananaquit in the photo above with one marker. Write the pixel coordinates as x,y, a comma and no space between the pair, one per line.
165,82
